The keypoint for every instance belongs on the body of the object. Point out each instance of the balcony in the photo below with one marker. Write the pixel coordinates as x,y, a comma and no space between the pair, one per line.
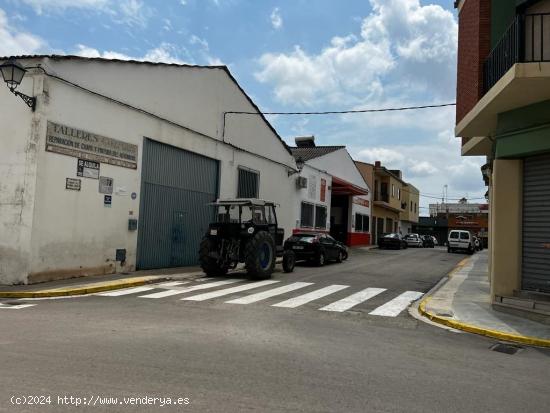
526,40
515,74
381,197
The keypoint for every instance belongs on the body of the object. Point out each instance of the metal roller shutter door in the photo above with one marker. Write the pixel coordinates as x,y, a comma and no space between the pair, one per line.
176,185
536,224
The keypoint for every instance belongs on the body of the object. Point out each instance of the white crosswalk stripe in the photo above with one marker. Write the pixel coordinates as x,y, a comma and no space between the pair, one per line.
314,295
126,291
393,307
172,283
15,307
353,300
227,291
184,290
269,293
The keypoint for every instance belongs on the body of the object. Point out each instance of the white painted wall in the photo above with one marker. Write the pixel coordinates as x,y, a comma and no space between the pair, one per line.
361,209
340,164
18,140
72,232
312,193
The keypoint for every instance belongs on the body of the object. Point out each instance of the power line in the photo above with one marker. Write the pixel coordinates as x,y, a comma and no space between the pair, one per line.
341,112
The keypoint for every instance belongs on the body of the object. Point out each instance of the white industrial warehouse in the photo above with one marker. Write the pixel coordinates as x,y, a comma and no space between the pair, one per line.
114,168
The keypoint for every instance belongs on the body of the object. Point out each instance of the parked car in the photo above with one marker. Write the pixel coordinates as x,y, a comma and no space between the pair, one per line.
414,240
392,241
427,241
436,242
460,240
316,247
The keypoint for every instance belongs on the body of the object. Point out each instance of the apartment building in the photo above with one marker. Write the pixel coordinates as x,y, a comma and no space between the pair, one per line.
503,113
395,202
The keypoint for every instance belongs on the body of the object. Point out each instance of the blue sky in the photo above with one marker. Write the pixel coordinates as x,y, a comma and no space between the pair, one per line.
295,55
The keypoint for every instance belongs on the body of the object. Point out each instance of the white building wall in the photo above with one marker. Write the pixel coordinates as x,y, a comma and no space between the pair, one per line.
312,194
73,233
341,165
18,140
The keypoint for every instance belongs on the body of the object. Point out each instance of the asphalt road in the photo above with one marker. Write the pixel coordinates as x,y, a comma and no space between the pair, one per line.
226,357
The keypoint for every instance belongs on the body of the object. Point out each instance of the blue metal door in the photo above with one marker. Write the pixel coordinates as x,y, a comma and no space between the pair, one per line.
176,185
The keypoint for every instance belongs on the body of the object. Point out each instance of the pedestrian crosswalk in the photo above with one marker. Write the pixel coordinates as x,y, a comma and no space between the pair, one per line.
335,298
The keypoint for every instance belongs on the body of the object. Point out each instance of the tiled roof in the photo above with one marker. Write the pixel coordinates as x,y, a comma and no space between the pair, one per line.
307,153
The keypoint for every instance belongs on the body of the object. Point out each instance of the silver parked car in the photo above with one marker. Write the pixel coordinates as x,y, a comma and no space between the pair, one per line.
414,240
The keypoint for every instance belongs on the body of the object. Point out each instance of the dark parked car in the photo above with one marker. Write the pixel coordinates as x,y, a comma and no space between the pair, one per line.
428,241
392,241
318,248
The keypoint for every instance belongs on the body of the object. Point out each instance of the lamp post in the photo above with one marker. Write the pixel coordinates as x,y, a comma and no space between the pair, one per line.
299,165
13,73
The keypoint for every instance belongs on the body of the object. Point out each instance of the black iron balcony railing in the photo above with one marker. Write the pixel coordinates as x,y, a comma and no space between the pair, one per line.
526,40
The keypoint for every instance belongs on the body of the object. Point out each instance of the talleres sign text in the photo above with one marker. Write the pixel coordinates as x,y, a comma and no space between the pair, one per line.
75,142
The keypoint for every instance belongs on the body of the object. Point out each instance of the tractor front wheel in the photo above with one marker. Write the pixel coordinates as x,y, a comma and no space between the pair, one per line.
260,255
208,262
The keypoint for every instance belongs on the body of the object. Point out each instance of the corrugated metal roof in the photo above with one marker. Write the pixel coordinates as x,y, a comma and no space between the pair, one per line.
313,152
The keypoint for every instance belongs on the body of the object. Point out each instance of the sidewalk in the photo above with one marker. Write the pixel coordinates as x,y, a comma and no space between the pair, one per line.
462,302
99,283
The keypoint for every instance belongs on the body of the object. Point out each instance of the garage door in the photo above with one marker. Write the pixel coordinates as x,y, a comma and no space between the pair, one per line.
176,186
536,224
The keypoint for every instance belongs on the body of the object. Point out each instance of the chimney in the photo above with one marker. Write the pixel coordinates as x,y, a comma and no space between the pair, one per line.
305,141
378,164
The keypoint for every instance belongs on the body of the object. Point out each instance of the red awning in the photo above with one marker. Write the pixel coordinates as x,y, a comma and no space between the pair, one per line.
342,187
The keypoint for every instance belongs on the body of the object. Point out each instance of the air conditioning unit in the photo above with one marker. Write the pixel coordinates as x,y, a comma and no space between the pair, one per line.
301,182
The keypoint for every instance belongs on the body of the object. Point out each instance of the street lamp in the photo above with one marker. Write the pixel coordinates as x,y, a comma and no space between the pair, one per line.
299,165
13,73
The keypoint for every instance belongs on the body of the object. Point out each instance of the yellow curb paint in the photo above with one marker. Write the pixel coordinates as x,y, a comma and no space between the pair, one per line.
88,289
500,335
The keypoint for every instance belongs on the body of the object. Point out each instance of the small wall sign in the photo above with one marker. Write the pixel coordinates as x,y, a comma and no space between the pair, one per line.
73,184
134,195
107,200
105,185
87,169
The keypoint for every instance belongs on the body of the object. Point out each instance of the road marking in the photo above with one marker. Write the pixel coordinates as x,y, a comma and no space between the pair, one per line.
314,295
354,299
227,291
269,293
15,307
184,290
126,291
172,283
393,307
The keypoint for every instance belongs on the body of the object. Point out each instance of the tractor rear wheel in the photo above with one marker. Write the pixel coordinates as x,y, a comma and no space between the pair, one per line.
208,263
259,255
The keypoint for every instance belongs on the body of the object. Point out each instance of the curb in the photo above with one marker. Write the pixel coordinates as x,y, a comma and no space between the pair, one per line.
469,328
65,292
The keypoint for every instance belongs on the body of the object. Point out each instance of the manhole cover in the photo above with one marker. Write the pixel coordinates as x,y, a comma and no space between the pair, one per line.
506,348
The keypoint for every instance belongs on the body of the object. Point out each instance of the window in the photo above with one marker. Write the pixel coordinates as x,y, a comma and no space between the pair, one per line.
306,216
411,206
415,207
249,184
399,193
392,190
465,235
320,216
361,223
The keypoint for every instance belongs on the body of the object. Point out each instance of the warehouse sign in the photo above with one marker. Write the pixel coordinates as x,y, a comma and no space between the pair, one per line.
86,145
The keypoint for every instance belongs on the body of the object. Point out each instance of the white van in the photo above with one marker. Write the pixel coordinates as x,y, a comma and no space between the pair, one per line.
460,240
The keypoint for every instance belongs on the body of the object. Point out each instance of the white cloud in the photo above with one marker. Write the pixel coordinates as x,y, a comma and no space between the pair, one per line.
134,13
40,6
13,42
276,19
165,53
403,49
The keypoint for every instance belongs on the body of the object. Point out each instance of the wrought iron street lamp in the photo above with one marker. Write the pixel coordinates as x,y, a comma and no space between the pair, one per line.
13,73
299,165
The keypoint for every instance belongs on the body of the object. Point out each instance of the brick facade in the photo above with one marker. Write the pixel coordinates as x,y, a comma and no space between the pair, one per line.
474,40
